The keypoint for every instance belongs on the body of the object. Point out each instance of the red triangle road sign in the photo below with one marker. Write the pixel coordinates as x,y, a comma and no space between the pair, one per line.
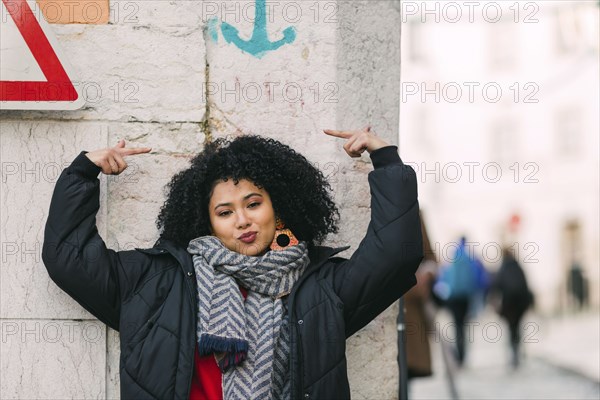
57,91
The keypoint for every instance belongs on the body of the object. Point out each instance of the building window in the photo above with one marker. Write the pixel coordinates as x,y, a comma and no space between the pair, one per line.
568,131
503,45
416,41
568,30
504,141
422,129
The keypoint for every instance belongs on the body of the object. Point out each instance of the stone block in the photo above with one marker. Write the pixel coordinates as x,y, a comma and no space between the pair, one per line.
52,359
171,17
137,195
33,156
113,354
372,358
293,88
120,70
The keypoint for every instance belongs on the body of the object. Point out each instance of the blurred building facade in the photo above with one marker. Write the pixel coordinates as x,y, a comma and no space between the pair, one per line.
499,117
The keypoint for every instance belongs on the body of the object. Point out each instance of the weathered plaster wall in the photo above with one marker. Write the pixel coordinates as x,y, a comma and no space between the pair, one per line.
161,74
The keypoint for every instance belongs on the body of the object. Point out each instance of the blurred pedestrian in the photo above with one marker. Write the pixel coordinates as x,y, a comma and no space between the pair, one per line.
577,284
419,313
458,285
513,296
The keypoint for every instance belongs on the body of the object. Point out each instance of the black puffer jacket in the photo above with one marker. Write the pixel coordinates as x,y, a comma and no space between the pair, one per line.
148,295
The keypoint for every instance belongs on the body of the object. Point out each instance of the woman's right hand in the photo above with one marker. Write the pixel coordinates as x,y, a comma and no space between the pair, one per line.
111,159
358,141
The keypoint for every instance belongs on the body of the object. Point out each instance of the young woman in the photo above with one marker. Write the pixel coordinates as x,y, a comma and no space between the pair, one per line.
237,300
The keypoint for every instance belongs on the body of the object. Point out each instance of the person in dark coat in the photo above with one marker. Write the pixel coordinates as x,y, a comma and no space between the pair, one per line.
237,298
577,286
419,312
514,298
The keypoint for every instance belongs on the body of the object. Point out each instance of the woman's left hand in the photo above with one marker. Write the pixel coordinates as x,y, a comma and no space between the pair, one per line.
358,141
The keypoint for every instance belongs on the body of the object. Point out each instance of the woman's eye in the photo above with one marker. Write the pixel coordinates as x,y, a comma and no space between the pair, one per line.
252,205
224,213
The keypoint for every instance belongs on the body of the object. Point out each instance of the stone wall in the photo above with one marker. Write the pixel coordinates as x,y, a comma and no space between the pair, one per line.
171,75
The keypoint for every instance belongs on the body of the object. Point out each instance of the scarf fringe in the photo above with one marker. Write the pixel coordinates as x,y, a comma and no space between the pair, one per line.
208,344
235,350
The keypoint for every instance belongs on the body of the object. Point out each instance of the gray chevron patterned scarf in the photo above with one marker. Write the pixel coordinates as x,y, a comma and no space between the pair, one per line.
250,339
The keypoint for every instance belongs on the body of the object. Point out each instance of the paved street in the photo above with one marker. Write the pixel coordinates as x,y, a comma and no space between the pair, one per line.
487,374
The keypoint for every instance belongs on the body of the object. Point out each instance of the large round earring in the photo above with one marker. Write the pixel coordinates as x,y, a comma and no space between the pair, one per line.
284,238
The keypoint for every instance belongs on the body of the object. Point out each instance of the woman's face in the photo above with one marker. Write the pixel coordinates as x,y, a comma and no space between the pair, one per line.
242,217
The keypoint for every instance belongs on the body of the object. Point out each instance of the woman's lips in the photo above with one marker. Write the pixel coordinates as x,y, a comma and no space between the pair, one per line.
248,238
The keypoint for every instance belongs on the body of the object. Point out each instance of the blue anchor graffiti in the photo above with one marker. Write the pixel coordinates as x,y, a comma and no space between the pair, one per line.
259,44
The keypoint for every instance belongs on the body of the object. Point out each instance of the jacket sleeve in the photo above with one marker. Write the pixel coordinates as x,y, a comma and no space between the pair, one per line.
73,252
384,265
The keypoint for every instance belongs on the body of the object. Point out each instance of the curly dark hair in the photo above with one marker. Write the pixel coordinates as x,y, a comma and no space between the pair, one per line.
299,192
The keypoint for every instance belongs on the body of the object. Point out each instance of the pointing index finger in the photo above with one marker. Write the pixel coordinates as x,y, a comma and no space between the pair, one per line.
336,133
139,150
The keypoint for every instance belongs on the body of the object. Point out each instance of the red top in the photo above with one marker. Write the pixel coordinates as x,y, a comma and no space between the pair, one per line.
206,381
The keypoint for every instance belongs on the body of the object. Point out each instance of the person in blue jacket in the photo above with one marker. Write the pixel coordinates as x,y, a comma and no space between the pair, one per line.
461,285
238,274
